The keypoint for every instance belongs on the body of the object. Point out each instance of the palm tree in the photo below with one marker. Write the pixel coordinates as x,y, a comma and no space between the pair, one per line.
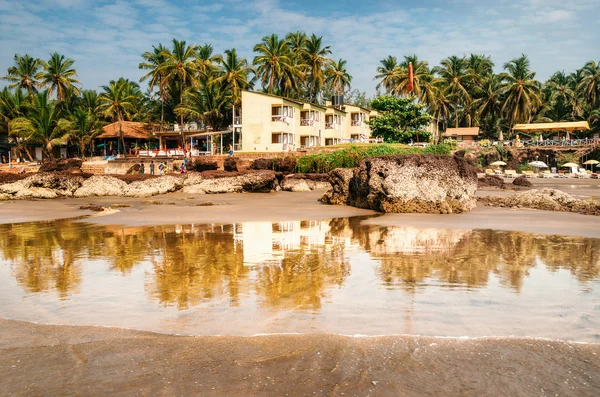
589,87
206,61
560,99
488,105
23,73
338,77
154,61
440,108
273,62
522,93
317,65
58,75
117,102
297,45
387,73
84,128
209,103
422,77
234,73
43,124
181,65
89,100
453,75
12,106
479,67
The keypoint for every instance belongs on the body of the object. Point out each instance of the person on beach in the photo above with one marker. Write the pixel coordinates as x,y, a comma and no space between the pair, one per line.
142,168
152,167
161,168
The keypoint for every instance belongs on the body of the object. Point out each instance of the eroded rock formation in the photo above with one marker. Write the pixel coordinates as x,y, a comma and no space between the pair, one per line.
406,183
544,199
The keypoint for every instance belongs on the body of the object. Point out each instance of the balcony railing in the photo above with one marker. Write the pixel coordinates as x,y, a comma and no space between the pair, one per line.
307,122
356,123
281,118
237,120
329,126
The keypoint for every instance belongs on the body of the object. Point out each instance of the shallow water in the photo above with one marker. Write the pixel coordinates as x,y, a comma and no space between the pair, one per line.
333,276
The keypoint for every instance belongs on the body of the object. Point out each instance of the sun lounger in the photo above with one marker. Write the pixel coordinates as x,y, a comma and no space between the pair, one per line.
510,174
529,174
489,172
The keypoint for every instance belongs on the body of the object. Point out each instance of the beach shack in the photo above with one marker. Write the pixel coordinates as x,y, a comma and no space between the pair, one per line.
465,134
135,135
554,131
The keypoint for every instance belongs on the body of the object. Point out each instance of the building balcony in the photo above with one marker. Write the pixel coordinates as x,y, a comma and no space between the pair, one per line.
282,118
307,122
356,123
237,121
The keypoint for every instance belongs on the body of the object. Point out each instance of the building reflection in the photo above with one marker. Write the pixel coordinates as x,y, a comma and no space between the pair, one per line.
291,265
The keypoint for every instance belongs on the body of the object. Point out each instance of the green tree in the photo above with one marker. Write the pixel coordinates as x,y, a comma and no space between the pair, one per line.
589,86
44,124
338,77
154,62
59,76
454,79
317,65
118,102
84,127
24,73
12,106
387,74
522,93
211,102
401,120
273,63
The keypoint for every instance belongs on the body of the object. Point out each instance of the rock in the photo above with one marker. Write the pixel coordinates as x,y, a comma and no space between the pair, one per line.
230,164
192,179
544,199
257,181
522,181
134,169
339,180
287,164
36,192
101,185
154,186
491,181
63,184
304,182
68,165
201,164
14,187
407,183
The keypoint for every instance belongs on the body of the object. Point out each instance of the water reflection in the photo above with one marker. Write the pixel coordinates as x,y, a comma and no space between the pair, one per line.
287,264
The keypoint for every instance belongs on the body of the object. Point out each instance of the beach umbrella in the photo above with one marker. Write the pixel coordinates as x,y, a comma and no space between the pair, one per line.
592,163
498,163
538,164
569,165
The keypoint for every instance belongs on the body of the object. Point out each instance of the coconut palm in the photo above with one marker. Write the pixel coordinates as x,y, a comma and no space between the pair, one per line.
440,109
479,67
117,102
488,103
589,87
273,62
43,124
89,100
84,127
23,73
560,100
207,63
12,106
154,61
453,75
59,76
421,76
181,65
297,45
234,73
338,77
387,73
522,93
317,65
210,103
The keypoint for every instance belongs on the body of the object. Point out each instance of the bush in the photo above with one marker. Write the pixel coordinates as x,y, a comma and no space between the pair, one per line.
350,157
450,142
484,143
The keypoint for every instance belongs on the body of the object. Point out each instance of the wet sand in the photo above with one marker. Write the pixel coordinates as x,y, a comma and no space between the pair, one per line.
65,360
51,360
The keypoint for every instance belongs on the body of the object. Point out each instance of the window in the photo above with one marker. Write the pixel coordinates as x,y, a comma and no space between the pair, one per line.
281,113
357,119
328,121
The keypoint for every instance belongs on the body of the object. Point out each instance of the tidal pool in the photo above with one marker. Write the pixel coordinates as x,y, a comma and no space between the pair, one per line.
333,276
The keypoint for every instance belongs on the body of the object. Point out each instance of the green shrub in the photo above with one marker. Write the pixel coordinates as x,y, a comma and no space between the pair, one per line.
525,167
350,157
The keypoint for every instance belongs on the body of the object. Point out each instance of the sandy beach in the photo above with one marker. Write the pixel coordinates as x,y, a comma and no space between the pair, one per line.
67,360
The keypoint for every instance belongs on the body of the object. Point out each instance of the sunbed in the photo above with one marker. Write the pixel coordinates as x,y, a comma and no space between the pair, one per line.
510,174
529,174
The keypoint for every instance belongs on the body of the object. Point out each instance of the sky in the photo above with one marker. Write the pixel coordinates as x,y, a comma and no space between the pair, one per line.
107,37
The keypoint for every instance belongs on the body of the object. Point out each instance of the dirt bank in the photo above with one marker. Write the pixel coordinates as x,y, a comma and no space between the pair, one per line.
53,360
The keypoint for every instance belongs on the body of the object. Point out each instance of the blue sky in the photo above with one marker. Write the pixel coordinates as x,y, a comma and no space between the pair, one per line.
106,37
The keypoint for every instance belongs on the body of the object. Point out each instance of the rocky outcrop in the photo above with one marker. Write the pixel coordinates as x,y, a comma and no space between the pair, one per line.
43,185
287,164
522,181
68,165
101,185
406,183
490,181
201,164
544,199
258,181
304,182
152,187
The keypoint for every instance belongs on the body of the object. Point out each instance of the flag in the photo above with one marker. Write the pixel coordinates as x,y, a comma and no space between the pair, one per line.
409,85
